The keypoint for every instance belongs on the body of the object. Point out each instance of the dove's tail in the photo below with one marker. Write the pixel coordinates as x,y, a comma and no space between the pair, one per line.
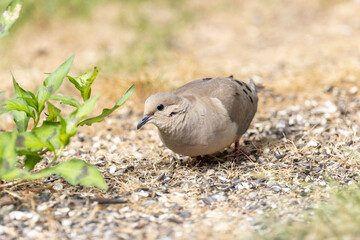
252,85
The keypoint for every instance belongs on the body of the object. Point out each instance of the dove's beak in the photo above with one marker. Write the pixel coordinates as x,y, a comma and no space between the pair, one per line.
145,119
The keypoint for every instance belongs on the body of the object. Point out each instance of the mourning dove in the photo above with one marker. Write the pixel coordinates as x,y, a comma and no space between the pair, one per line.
203,116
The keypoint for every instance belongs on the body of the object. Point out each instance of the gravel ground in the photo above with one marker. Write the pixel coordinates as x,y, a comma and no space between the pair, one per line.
155,194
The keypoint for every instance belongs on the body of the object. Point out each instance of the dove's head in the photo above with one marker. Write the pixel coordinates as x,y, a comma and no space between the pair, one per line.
161,109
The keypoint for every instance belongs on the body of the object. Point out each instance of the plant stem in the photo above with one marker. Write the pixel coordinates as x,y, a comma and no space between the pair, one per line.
57,155
36,120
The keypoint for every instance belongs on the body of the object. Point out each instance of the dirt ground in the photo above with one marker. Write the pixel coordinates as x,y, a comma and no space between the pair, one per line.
306,54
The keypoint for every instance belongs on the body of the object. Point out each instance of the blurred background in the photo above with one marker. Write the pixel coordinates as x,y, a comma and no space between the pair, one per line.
293,47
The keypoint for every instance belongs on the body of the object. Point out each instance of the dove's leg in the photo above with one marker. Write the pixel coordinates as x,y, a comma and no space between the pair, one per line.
238,151
199,161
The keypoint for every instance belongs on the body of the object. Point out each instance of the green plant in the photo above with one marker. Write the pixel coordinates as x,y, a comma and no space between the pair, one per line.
54,133
9,17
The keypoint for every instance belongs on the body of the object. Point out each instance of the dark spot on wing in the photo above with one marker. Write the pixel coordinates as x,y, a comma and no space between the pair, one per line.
247,87
237,81
245,92
206,79
231,76
251,99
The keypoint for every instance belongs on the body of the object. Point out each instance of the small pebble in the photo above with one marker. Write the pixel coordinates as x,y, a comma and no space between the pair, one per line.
312,143
112,169
57,186
353,90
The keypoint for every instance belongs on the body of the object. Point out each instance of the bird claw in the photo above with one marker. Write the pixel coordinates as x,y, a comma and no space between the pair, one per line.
238,152
199,161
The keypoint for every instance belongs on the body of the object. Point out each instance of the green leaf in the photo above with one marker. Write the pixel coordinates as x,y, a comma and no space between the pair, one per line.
42,96
64,136
75,82
20,92
52,83
75,171
28,96
21,120
106,112
54,112
70,123
30,142
31,160
15,173
9,17
66,100
84,110
49,131
32,102
18,104
83,83
7,151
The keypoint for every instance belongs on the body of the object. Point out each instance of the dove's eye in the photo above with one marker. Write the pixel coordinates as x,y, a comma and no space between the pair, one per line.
160,107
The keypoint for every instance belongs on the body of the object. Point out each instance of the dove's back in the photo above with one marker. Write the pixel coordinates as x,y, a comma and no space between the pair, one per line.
238,98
